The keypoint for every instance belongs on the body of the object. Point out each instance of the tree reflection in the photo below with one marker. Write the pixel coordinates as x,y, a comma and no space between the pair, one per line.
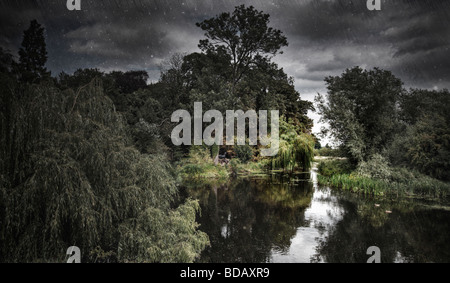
250,220
245,220
405,235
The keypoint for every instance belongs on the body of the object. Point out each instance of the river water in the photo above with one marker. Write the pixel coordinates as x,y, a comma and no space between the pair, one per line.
271,219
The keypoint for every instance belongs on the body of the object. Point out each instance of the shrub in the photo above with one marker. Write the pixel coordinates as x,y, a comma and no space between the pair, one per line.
200,165
159,237
412,181
295,150
394,180
376,167
328,151
332,167
244,152
192,169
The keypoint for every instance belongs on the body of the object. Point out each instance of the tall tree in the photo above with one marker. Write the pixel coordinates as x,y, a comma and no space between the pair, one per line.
245,35
33,54
361,109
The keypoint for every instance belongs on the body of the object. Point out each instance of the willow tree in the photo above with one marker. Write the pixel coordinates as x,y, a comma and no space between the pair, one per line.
296,149
70,176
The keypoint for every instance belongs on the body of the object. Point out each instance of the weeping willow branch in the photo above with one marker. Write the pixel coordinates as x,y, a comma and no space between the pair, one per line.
296,150
71,176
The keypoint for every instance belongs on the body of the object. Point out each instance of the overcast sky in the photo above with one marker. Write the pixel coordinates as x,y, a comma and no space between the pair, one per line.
411,38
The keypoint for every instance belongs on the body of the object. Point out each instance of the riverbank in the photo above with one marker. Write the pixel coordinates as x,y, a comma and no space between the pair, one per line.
332,171
205,170
338,173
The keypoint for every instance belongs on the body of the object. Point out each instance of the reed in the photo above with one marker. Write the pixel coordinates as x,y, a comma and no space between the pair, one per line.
355,183
401,183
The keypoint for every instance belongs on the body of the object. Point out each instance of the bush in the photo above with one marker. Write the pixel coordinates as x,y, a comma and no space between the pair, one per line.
424,144
375,177
159,237
429,147
331,167
376,167
200,165
199,154
244,152
192,169
235,165
412,181
328,151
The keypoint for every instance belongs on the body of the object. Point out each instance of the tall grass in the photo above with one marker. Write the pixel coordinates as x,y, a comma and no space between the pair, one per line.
398,181
355,183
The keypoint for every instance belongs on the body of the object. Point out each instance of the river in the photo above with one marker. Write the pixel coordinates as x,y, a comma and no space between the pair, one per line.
294,220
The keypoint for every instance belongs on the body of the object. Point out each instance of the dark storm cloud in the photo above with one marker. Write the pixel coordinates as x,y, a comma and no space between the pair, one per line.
132,36
410,38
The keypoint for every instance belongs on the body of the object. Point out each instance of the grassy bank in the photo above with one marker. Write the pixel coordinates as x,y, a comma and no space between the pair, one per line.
380,180
192,169
200,166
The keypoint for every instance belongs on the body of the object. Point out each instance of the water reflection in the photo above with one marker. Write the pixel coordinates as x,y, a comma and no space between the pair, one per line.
272,219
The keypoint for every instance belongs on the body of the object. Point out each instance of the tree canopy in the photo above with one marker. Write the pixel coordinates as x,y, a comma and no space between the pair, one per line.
370,113
244,35
360,108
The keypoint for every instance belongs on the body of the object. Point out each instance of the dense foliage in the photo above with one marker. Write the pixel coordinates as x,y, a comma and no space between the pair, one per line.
373,118
296,148
71,176
424,142
360,108
87,159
